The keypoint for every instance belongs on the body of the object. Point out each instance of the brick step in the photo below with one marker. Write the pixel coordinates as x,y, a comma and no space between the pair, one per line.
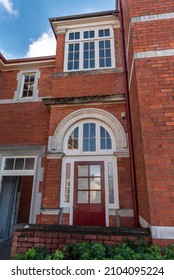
119,231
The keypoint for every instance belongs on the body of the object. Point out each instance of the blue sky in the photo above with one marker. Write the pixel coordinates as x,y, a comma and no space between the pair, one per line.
25,29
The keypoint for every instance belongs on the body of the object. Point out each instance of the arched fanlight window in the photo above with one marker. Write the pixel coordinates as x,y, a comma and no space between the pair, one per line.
89,137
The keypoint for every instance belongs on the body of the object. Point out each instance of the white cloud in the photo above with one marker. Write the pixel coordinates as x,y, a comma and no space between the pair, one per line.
8,6
43,46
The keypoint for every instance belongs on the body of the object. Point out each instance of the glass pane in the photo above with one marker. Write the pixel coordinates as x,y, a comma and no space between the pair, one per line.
102,63
83,183
85,64
107,44
71,36
27,79
92,45
76,55
85,56
107,32
82,197
101,44
95,170
95,197
9,162
29,163
101,33
70,65
102,131
95,183
86,46
92,129
71,46
92,54
77,35
109,145
102,143
85,34
108,62
76,132
92,34
111,183
86,130
67,183
30,93
77,47
92,145
92,63
82,170
85,145
19,164
108,53
76,65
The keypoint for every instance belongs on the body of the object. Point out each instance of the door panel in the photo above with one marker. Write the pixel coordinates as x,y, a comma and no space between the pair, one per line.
8,200
89,196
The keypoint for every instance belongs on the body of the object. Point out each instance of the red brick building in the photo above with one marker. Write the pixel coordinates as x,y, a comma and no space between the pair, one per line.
86,136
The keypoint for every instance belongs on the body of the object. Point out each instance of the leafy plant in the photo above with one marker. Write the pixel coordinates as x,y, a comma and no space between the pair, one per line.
129,250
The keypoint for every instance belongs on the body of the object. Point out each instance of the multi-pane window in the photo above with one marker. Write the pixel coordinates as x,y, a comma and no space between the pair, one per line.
19,163
89,137
89,184
89,49
27,85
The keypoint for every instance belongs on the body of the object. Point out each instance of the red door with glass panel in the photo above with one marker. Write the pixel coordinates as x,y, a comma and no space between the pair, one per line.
89,195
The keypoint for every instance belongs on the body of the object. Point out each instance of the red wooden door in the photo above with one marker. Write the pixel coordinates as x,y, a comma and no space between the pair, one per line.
89,195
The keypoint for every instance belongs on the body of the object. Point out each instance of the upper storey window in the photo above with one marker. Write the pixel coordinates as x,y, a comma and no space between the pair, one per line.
89,49
27,85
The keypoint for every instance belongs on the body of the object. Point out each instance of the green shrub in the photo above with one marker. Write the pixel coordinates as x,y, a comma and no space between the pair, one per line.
129,250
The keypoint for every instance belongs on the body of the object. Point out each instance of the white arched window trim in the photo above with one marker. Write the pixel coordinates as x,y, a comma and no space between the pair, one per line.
96,115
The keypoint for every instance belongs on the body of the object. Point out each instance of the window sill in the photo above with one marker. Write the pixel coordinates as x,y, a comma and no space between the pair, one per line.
87,72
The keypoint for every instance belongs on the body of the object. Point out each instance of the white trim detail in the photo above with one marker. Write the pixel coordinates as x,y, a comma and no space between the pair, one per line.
158,232
152,17
143,222
159,53
56,142
20,78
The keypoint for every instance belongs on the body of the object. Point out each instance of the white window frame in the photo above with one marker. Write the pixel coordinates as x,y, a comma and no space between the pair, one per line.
68,206
96,39
20,78
98,150
17,172
22,84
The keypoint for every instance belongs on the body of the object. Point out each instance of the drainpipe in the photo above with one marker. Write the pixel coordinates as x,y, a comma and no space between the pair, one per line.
129,123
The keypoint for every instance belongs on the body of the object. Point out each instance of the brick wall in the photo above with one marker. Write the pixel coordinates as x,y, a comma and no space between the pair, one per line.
151,83
53,237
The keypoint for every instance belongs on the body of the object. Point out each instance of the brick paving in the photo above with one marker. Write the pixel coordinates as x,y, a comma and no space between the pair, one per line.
5,250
